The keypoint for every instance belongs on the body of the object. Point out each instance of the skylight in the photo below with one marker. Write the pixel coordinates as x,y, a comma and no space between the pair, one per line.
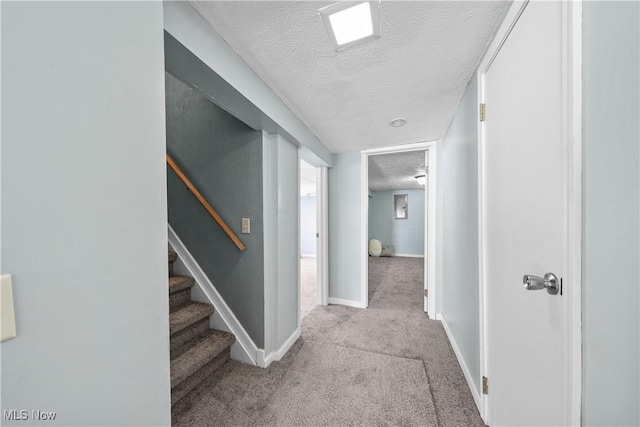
349,24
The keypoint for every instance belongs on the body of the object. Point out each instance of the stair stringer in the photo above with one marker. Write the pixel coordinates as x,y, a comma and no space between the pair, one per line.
243,349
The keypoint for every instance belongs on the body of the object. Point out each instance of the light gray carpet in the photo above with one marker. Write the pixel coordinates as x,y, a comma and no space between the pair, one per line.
395,324
337,386
308,285
386,365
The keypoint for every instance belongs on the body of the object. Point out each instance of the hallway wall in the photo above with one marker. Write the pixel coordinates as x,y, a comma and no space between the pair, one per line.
611,389
459,221
345,224
84,221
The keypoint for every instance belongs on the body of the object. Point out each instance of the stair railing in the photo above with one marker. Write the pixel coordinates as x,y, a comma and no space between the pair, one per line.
223,225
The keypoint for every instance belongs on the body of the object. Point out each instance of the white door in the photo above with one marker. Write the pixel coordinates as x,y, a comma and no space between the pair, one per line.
523,220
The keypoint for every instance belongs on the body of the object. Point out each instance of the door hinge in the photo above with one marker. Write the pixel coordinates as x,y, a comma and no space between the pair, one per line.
482,108
426,293
485,385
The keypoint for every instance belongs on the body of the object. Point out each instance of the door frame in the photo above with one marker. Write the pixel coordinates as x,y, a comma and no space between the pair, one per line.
430,147
572,206
322,228
322,236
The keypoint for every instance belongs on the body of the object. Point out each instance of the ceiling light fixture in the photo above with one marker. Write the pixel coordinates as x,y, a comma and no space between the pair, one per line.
421,179
349,24
396,123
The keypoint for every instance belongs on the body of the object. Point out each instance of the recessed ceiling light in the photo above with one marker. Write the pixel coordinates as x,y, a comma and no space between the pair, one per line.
396,123
421,179
349,24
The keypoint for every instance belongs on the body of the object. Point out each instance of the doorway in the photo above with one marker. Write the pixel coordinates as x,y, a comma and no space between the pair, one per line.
429,224
309,289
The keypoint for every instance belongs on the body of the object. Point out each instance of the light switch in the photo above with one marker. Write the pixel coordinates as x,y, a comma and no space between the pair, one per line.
7,315
246,226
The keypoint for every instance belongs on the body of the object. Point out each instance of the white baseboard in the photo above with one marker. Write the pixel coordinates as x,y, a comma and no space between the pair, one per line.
347,302
264,360
410,255
244,349
463,365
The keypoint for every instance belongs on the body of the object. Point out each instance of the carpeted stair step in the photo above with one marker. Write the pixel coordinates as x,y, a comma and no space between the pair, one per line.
182,389
188,315
172,258
179,291
188,334
197,353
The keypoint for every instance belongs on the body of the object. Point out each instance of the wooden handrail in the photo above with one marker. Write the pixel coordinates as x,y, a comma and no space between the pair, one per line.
230,234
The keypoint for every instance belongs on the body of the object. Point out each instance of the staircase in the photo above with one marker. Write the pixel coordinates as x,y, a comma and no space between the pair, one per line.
196,350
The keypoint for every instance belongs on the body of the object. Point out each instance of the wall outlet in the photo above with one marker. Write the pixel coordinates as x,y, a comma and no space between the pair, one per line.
246,226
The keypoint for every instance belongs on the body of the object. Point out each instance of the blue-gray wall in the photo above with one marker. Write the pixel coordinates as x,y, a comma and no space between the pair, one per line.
611,185
308,225
345,227
406,235
459,219
223,159
84,217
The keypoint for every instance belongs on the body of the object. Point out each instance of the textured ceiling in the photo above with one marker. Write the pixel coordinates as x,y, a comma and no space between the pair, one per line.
396,171
418,69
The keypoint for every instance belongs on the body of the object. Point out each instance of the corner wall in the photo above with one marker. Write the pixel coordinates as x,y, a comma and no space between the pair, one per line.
345,224
84,217
281,246
611,306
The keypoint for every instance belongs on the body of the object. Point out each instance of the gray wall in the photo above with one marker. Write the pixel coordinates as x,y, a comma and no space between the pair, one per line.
84,212
459,255
345,241
308,225
611,215
406,235
223,158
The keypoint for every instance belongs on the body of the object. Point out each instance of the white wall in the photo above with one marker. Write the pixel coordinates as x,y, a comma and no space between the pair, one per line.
611,389
406,235
84,212
281,264
288,243
345,223
308,226
458,179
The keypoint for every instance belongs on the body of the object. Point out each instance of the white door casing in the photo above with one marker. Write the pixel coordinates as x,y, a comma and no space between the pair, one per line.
430,148
322,217
529,198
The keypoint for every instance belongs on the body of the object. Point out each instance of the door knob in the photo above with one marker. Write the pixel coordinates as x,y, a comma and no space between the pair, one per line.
548,282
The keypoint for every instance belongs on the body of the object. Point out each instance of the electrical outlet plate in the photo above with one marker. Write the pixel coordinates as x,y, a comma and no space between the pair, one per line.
7,315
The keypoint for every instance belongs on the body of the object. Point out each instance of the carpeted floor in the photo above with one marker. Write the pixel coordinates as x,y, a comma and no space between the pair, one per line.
308,285
386,365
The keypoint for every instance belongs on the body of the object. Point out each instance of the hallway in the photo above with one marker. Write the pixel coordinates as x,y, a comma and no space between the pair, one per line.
386,365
